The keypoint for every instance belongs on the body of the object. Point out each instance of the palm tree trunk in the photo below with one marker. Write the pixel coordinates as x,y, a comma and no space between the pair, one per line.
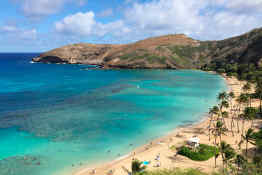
238,111
223,167
238,125
223,163
260,106
209,136
252,123
232,122
224,122
250,101
243,124
246,147
215,161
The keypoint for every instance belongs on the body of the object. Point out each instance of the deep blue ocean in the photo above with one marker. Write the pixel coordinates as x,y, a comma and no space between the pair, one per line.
58,118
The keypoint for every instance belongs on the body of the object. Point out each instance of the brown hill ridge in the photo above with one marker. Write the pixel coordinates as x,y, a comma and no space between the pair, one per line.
164,52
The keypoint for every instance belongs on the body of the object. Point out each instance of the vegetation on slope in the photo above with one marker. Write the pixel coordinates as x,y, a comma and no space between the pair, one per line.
240,56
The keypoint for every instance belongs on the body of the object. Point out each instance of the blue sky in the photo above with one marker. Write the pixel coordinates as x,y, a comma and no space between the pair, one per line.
41,25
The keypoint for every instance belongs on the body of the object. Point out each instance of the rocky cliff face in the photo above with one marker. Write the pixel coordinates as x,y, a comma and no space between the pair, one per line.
165,52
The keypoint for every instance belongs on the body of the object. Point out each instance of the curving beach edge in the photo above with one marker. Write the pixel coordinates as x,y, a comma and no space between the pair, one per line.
176,138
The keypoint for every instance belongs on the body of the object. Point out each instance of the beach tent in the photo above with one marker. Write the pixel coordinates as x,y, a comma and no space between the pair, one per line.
194,141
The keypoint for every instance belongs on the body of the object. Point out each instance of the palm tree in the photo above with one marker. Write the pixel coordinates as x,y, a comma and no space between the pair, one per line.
259,93
227,153
248,138
246,88
240,161
243,118
250,114
213,112
221,129
218,131
223,104
231,96
225,114
223,148
216,156
242,100
222,96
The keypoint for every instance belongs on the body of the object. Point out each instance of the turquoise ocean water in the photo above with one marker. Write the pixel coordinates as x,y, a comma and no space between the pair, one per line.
56,118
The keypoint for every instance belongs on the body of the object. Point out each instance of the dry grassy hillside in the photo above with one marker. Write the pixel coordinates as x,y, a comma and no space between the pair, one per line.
164,52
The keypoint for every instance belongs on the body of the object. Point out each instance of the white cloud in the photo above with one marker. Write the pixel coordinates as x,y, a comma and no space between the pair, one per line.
201,19
35,9
242,6
13,32
228,24
80,23
84,24
166,15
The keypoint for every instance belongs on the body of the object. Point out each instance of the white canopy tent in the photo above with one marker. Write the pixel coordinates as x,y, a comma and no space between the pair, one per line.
194,141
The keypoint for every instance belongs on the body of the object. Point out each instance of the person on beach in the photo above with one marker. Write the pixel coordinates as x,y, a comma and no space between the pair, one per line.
157,157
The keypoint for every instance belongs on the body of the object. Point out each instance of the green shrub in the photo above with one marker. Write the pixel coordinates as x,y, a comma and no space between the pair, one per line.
202,153
137,166
173,147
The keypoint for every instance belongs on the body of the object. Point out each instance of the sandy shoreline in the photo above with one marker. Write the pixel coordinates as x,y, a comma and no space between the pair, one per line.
175,138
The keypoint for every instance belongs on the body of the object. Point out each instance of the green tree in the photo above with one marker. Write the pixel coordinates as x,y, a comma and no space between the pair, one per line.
242,101
248,137
247,88
222,105
231,97
218,131
212,112
222,96
227,153
259,92
216,156
240,161
250,114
